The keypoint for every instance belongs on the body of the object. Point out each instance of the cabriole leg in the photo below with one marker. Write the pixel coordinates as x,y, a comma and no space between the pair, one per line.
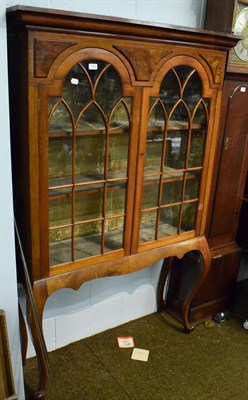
205,263
35,307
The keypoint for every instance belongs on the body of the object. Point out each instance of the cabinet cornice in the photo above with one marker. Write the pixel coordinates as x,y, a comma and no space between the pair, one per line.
20,17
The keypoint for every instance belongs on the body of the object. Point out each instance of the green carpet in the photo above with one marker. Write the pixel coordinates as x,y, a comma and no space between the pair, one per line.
208,363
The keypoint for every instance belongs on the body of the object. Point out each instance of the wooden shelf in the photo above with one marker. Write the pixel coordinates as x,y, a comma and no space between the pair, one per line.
88,130
173,126
152,127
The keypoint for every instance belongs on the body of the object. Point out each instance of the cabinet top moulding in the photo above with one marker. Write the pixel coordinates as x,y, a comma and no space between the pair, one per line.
34,17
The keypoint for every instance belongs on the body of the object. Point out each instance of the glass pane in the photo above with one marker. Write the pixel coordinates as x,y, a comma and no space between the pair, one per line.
172,188
91,121
148,226
168,221
90,158
60,207
60,161
119,122
52,101
60,246
60,119
170,90
196,148
157,118
150,196
176,148
183,72
94,68
192,185
128,103
108,90
114,228
155,139
179,118
88,239
193,89
118,155
188,216
116,198
154,151
77,91
198,137
88,202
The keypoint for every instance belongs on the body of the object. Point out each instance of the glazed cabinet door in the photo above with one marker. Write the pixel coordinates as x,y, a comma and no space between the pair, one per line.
174,155
86,168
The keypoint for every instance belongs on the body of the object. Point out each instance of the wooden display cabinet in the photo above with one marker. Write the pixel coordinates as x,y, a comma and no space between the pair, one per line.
114,132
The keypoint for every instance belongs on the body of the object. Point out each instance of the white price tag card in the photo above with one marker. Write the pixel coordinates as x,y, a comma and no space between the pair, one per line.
125,342
93,66
140,354
74,81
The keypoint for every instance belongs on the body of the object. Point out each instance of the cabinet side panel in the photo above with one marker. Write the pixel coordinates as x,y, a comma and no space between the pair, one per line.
17,49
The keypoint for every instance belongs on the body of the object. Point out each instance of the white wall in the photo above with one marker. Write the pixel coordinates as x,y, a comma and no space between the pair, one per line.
107,302
178,12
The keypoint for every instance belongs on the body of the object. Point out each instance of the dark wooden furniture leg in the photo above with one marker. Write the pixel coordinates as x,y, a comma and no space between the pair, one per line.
205,262
24,335
35,307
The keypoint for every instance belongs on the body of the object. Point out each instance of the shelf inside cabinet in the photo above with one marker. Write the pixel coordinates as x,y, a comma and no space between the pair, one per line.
87,129
147,231
170,175
97,129
86,185
172,126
